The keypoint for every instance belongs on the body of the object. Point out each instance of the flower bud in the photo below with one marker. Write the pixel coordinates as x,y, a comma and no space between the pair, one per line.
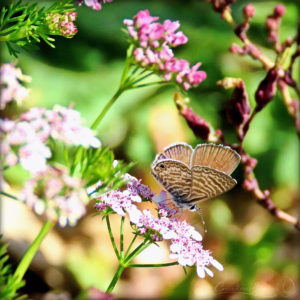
279,10
250,184
238,108
266,89
236,49
249,11
198,125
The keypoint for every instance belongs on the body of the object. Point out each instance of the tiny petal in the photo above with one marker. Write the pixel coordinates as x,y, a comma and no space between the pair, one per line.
200,272
196,236
217,265
209,272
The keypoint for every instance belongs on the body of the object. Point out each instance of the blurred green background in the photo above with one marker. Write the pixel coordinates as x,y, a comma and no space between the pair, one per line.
259,253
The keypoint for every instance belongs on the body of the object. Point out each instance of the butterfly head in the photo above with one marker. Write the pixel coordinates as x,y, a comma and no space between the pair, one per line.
160,168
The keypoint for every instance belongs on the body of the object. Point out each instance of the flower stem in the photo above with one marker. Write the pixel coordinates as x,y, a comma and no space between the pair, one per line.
137,251
131,244
107,107
9,196
30,253
115,279
122,237
174,263
123,264
127,65
112,237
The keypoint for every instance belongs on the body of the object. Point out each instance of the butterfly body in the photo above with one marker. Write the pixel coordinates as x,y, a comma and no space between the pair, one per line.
194,175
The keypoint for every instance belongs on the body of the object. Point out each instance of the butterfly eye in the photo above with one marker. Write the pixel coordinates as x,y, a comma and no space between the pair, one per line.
162,166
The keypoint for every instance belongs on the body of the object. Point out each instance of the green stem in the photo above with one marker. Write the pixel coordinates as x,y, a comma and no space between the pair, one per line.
140,79
107,107
112,237
66,156
123,265
14,36
127,65
115,279
174,263
131,244
122,237
137,251
30,253
150,83
9,196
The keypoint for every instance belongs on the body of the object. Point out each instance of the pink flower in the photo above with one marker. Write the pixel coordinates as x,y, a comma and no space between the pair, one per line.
55,197
185,241
62,24
33,157
26,139
11,89
94,4
153,43
70,130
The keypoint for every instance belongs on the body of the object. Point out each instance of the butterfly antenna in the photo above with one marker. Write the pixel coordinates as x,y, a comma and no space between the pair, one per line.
199,210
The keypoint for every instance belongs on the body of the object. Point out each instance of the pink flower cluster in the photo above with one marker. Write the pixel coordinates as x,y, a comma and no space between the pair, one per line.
10,86
94,4
62,24
153,43
25,140
59,196
185,241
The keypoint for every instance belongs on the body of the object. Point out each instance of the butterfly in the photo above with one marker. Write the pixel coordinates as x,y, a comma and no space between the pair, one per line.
194,175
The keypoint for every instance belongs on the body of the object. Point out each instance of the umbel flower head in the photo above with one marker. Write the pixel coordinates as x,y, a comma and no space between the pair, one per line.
62,24
56,194
26,140
185,242
153,43
10,85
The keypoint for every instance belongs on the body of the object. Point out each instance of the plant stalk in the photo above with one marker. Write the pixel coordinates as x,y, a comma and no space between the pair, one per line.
31,251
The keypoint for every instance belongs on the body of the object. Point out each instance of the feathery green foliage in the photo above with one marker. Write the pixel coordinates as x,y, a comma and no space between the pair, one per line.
9,285
22,24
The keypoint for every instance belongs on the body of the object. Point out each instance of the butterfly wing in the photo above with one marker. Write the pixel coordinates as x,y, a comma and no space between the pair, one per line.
208,183
179,151
217,157
174,176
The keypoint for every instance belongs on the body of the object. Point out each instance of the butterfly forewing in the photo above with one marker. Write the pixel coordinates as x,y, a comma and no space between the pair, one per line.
208,183
217,157
159,156
174,176
180,151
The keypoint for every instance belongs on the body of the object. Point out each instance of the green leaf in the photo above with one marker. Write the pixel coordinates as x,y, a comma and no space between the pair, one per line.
8,284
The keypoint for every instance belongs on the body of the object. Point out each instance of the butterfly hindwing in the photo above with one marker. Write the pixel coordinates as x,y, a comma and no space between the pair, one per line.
208,183
174,176
180,151
217,157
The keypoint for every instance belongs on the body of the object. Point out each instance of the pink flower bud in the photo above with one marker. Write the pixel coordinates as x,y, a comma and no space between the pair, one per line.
250,184
271,23
238,108
249,10
266,89
279,10
236,49
198,125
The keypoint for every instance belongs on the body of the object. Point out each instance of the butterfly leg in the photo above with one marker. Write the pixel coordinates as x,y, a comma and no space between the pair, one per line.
196,208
